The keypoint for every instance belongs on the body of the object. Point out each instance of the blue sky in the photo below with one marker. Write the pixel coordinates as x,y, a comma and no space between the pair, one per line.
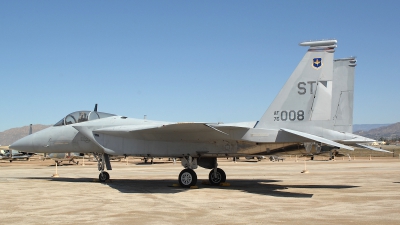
204,61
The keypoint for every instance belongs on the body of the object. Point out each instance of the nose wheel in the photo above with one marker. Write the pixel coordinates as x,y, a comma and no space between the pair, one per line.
103,176
187,178
216,177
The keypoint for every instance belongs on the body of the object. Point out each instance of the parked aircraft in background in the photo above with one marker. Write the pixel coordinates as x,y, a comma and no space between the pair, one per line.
60,157
275,158
11,155
3,150
315,107
258,157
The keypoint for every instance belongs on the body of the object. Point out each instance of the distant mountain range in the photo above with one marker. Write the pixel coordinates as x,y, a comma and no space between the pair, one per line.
365,127
389,132
374,131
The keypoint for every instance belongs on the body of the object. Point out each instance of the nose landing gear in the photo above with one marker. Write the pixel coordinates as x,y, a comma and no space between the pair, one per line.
103,161
104,176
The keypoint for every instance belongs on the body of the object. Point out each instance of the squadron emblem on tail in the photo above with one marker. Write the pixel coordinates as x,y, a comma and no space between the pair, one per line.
317,63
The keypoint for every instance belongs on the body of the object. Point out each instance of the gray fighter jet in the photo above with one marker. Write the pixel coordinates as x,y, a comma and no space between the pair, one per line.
315,106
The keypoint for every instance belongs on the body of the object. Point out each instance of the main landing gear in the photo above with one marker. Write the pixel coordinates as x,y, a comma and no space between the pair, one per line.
103,161
188,177
216,176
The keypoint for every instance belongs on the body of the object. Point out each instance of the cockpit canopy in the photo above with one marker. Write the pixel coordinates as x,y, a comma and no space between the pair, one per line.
82,116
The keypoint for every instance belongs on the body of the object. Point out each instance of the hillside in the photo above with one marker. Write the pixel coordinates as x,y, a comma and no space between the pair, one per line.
388,132
7,137
366,127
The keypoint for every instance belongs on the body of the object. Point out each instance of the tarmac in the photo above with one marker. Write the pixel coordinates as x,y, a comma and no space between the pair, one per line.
360,191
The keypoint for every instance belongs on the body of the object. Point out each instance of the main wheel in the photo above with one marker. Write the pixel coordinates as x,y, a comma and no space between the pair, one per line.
187,178
103,176
219,178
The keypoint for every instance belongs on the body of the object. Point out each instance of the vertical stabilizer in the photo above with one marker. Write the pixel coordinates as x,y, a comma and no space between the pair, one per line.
343,72
307,94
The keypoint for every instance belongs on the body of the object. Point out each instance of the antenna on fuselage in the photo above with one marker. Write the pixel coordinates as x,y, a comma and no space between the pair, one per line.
30,129
95,108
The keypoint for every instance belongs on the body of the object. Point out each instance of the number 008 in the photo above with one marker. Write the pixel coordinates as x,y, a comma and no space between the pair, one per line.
292,115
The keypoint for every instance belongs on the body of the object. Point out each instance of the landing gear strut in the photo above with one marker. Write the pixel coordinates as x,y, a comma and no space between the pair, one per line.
103,161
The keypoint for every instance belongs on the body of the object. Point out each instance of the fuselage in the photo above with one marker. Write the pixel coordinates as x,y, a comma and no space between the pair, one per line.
154,142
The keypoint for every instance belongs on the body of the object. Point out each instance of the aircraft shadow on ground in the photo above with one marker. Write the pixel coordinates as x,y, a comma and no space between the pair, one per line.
261,187
63,165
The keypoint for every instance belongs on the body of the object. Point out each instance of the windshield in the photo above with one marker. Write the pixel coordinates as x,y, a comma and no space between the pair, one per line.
82,116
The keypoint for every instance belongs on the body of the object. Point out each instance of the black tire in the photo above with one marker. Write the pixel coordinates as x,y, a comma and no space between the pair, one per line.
103,176
220,178
187,178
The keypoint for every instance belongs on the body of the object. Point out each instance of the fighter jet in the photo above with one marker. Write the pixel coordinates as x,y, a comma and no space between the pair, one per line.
314,106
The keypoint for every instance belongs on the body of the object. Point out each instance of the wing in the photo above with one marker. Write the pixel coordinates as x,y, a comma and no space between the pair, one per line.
171,132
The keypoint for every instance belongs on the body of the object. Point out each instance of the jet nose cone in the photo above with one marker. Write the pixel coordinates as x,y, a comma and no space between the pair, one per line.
23,144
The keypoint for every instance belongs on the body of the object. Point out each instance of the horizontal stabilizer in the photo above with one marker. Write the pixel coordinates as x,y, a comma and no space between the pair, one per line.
373,148
318,139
